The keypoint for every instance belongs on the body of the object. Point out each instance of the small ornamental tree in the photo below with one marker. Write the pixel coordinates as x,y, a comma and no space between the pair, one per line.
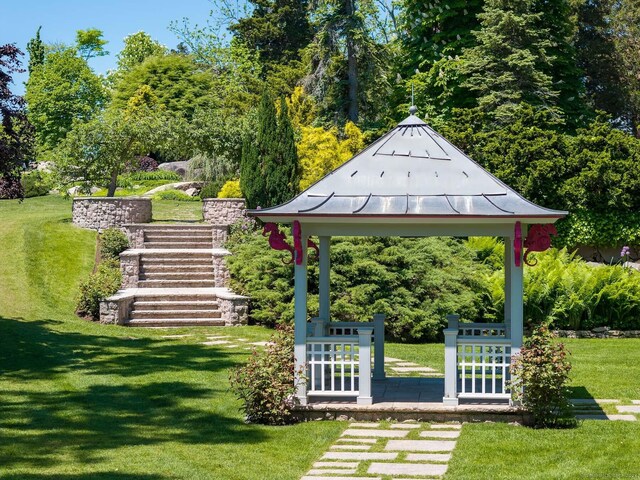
266,384
540,373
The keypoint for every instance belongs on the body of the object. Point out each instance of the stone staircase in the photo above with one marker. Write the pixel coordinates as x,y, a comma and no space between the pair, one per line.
175,276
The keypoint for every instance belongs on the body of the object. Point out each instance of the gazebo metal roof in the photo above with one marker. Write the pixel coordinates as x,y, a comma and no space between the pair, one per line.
410,172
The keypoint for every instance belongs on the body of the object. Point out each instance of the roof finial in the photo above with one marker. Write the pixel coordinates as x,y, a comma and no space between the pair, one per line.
412,109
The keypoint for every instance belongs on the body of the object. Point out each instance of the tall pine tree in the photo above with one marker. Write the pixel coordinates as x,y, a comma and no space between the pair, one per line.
509,64
282,169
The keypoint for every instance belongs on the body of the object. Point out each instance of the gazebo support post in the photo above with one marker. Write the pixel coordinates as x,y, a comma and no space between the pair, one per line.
514,288
300,323
451,361
364,367
324,280
508,261
378,344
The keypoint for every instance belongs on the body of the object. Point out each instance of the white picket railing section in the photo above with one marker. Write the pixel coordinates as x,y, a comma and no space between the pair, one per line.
333,365
483,368
339,356
477,361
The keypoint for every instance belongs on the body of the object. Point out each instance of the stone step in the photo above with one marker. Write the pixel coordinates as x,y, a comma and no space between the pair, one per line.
177,275
176,322
172,314
176,283
169,237
185,259
179,245
176,305
177,267
172,297
172,227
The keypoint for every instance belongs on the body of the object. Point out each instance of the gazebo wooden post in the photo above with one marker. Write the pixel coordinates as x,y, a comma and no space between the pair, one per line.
514,289
324,280
508,261
300,323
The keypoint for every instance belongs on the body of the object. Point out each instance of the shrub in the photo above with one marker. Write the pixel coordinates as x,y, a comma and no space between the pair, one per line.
177,195
571,294
112,243
35,183
231,189
610,229
540,374
155,175
209,190
266,384
10,187
103,283
147,164
414,282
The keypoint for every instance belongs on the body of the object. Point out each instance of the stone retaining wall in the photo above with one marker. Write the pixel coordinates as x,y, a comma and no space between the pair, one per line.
223,211
220,270
234,308
601,332
100,213
130,269
115,310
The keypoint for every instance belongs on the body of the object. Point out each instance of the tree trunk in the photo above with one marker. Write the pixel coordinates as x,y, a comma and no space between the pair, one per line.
352,65
113,183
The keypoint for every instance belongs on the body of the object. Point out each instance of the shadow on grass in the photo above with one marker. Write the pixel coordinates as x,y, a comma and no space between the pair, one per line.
80,396
32,350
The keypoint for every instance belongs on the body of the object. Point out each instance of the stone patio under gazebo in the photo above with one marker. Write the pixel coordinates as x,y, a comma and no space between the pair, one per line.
411,182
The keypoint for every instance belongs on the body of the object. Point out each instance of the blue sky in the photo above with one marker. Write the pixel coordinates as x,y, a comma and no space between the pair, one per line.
60,19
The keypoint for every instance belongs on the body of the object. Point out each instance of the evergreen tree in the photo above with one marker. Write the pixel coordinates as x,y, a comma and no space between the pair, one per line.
509,64
36,51
437,30
258,153
558,18
276,29
282,168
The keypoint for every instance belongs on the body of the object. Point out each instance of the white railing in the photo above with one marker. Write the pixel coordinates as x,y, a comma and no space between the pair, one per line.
333,365
339,357
477,361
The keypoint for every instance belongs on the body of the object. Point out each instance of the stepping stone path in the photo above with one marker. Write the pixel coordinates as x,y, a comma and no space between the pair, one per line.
402,367
402,451
592,409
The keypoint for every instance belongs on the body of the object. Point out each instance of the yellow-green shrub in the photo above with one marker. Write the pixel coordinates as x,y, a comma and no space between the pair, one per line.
231,189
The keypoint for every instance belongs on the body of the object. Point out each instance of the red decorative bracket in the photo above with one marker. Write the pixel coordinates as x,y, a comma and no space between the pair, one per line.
517,244
538,240
277,241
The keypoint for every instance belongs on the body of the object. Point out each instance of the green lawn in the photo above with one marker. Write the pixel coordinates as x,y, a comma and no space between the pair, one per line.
80,400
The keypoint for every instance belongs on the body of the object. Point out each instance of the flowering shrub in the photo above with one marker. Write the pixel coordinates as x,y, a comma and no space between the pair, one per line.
266,384
539,380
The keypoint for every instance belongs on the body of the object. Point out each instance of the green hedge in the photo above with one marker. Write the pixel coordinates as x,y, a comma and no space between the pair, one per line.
415,282
611,229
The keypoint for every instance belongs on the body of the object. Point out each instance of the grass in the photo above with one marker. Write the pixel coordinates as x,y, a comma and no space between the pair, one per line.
80,400
175,211
595,449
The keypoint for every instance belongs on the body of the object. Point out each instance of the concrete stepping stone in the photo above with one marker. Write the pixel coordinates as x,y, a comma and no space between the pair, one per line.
217,337
422,469
443,426
392,360
628,408
314,477
336,464
635,402
350,447
624,418
593,401
420,445
406,364
175,336
324,471
428,457
440,434
357,440
360,456
412,369
355,432
215,342
364,425
405,426
604,416
231,346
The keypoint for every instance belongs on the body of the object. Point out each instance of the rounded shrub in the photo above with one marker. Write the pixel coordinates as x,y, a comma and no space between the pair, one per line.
102,284
112,243
230,189
176,195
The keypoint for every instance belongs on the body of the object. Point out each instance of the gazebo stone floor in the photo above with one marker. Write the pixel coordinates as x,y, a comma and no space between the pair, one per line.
409,398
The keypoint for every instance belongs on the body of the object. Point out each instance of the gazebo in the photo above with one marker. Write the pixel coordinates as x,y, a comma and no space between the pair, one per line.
411,182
